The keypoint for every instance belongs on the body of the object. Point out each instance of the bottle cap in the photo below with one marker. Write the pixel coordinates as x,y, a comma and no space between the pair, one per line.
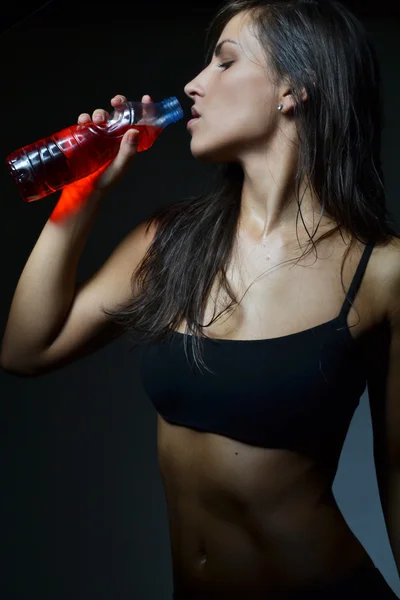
173,111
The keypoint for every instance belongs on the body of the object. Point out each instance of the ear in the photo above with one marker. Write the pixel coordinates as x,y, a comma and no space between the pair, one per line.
287,98
289,101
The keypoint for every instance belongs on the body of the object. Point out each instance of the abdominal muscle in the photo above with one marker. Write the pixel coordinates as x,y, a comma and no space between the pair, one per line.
245,518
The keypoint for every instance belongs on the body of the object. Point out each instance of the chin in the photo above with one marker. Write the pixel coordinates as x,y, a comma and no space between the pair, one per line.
211,154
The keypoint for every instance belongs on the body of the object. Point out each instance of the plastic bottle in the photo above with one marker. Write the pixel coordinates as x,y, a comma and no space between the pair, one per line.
52,163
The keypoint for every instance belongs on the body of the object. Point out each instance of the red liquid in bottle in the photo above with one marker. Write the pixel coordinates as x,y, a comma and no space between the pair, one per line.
72,159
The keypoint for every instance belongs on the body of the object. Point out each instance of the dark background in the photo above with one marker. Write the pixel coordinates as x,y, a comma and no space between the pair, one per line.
84,514
26,13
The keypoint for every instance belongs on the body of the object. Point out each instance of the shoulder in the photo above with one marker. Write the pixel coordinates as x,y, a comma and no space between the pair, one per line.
386,276
383,302
142,236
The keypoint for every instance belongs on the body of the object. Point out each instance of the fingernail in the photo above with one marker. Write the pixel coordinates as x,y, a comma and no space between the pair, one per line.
131,135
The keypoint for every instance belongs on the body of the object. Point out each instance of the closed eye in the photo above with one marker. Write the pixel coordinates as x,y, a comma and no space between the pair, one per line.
226,65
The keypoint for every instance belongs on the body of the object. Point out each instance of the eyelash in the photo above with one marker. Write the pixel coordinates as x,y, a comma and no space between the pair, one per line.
227,63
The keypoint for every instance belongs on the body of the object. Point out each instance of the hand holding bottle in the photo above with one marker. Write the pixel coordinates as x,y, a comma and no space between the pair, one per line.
112,172
75,194
90,155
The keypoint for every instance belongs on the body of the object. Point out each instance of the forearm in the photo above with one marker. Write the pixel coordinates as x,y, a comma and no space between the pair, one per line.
46,287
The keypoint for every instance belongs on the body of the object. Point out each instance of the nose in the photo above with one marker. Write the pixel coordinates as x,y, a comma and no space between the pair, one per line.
189,89
194,87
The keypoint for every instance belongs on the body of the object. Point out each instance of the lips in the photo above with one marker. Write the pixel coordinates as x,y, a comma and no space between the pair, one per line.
193,121
195,114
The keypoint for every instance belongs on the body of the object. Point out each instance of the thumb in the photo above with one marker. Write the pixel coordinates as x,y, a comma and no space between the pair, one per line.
131,137
127,149
120,164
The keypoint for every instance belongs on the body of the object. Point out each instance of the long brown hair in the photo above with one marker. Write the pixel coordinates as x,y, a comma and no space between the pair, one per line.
322,47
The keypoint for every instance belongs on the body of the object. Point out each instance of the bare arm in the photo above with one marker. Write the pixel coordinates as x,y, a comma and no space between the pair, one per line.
46,288
51,321
383,368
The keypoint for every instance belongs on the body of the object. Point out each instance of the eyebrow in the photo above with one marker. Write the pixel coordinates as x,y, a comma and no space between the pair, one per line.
218,48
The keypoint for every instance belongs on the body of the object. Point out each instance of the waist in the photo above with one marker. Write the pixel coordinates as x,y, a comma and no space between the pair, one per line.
365,581
279,552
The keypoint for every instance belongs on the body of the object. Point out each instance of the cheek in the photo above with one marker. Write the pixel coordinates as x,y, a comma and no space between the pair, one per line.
244,107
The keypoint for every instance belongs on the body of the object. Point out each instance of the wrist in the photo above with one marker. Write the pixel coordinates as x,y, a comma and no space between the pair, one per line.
78,197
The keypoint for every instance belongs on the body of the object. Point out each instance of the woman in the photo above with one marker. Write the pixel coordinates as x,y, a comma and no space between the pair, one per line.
290,110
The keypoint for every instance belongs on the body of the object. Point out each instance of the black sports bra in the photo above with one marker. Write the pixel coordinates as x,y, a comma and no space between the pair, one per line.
297,392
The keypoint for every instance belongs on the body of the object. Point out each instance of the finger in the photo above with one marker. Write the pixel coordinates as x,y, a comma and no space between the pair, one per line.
121,162
84,118
100,115
129,144
146,99
117,100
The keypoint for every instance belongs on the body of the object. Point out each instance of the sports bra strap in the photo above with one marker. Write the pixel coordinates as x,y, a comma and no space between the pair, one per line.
357,279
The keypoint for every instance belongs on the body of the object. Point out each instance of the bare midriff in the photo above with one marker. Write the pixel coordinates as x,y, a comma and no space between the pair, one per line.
248,518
